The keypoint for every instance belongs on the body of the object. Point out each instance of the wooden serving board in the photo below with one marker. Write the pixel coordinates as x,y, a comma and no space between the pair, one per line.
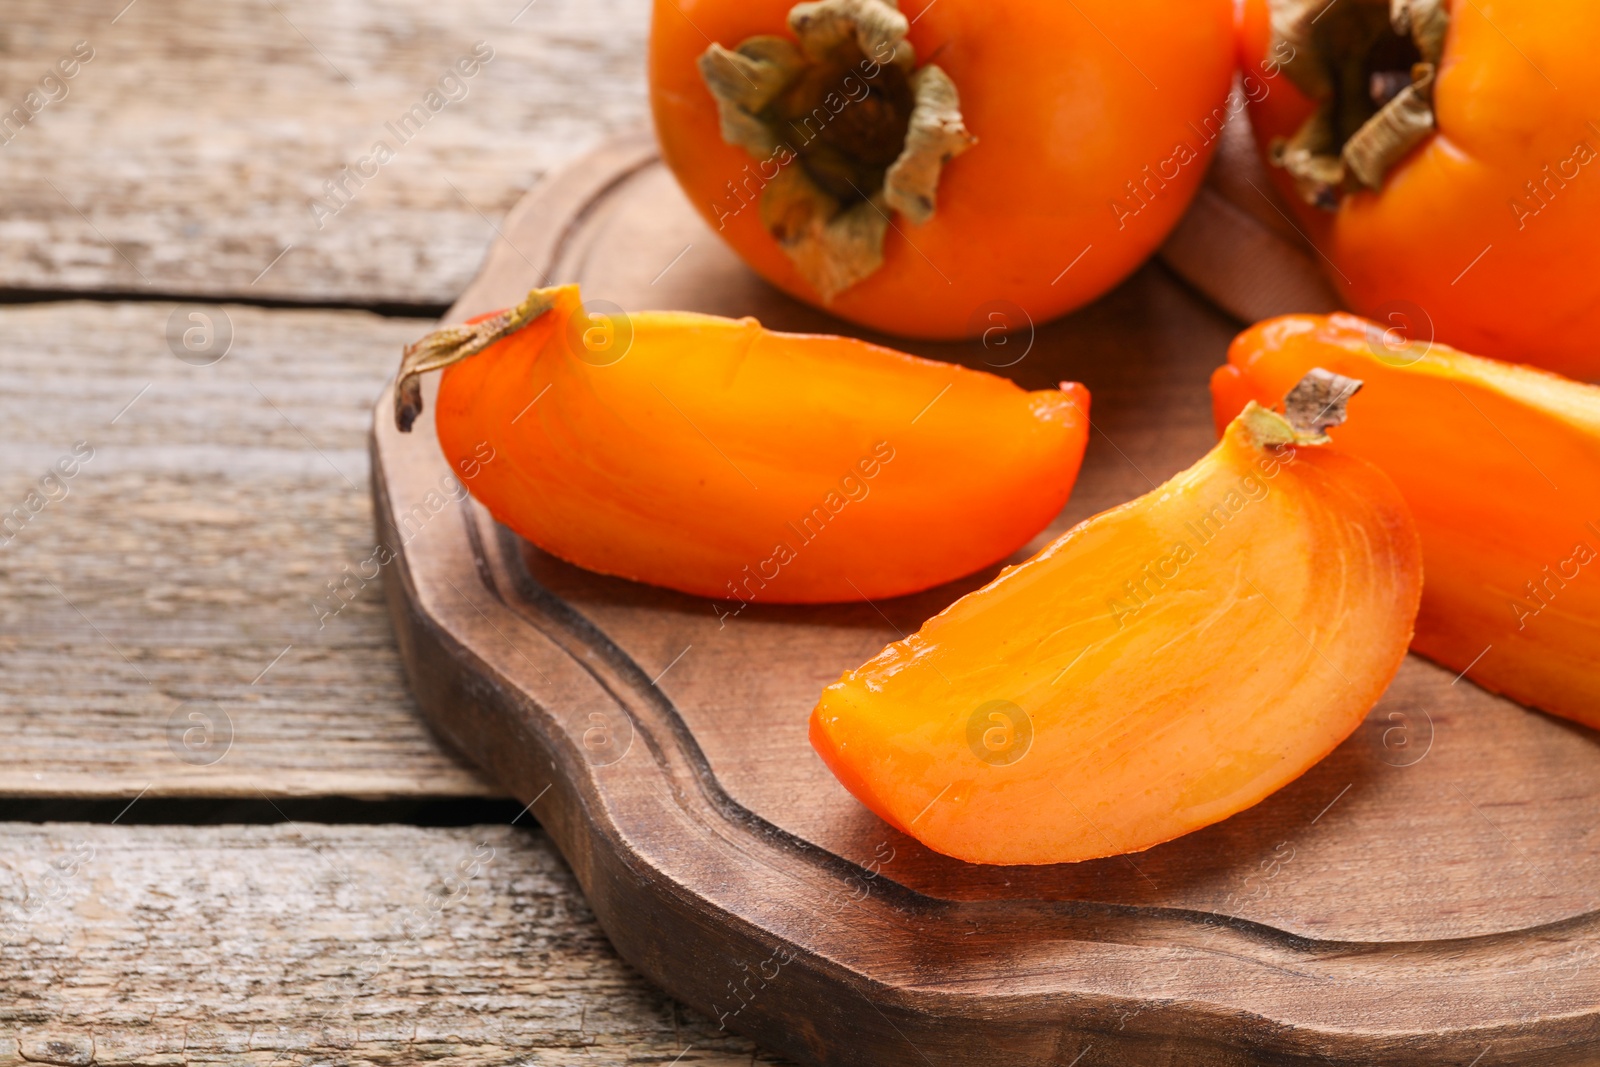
1425,895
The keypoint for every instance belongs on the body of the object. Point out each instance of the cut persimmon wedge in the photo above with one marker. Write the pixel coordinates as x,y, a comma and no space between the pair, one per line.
1158,668
1500,464
726,460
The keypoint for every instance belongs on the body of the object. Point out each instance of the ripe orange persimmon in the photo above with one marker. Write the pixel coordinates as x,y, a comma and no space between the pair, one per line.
1158,668
719,458
1463,205
1501,466
942,171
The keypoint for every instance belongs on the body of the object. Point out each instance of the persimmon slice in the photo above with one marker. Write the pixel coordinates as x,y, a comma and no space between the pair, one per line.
1156,669
726,460
1501,467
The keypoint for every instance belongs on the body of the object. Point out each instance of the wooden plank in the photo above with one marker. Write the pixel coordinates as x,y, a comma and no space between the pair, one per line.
187,153
298,944
191,552
1237,243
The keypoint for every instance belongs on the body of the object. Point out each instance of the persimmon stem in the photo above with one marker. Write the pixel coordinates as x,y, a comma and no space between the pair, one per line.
452,344
1318,401
1315,403
1370,65
844,127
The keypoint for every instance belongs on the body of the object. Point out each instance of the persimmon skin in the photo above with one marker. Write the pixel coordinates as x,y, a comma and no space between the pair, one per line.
1534,295
1064,122
1150,725
712,442
1500,464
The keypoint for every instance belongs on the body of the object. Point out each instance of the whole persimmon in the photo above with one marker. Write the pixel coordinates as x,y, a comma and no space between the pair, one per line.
1444,157
947,170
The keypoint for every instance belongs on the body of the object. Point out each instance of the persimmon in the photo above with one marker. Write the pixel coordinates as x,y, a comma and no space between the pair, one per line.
1442,155
944,171
719,458
1158,668
1501,467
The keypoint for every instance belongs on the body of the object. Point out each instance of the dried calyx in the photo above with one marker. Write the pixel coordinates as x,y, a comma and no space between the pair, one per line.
1370,65
1315,403
844,128
452,344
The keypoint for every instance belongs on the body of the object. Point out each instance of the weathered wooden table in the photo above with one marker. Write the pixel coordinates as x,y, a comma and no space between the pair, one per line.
225,835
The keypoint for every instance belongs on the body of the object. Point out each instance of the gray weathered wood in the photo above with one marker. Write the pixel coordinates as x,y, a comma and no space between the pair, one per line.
302,944
187,151
189,552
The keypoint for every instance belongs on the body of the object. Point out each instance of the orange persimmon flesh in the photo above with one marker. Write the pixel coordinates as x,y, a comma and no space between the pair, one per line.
1158,668
722,459
1501,466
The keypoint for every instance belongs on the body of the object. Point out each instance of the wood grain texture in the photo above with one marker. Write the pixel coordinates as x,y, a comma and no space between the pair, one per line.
186,154
192,549
302,944
1426,894
1237,243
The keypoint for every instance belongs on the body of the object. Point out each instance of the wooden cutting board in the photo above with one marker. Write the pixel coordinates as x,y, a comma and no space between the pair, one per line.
1424,895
